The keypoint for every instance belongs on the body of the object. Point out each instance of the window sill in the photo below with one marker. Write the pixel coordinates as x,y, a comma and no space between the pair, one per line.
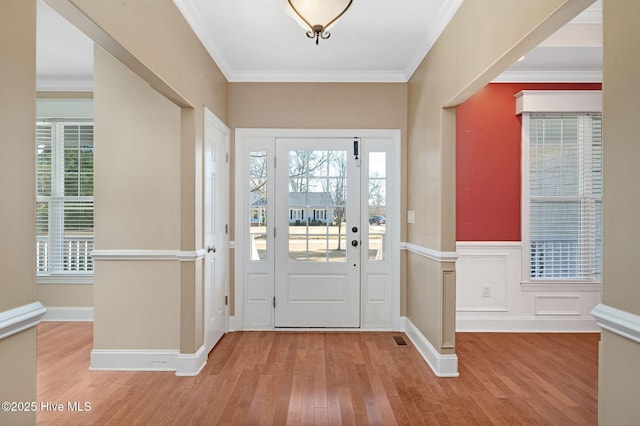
65,279
560,286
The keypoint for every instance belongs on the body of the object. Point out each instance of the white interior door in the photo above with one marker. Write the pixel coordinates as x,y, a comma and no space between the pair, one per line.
216,212
317,243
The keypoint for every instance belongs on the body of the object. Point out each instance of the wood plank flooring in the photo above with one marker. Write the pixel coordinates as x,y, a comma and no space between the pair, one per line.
278,378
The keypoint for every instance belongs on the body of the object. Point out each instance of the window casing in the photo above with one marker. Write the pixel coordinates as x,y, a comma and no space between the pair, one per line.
64,197
561,192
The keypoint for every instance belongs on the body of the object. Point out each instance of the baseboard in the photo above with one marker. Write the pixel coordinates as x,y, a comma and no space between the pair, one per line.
191,364
235,324
133,360
68,314
527,324
442,365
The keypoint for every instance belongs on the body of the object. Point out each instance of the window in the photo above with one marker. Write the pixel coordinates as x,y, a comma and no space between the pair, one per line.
561,186
64,197
565,196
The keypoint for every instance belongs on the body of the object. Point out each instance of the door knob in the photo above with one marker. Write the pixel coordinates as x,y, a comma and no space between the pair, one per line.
354,243
211,249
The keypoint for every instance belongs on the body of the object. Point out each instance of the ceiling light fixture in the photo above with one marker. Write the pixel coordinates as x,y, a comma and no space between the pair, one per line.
316,16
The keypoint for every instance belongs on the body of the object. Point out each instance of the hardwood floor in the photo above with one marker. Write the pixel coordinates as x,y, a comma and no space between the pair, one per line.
277,378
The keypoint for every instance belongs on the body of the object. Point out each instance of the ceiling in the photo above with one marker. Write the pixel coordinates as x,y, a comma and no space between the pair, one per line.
375,41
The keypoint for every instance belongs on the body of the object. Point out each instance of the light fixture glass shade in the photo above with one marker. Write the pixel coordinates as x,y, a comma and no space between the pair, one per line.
316,16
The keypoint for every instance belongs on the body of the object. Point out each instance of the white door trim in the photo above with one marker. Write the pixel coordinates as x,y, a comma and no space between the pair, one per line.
247,140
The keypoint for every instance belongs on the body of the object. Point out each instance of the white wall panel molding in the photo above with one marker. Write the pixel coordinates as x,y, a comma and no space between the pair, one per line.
182,256
485,272
191,364
69,314
618,321
442,365
21,318
558,304
439,256
491,297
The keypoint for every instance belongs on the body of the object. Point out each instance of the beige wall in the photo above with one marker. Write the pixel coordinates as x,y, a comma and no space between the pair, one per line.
619,356
137,194
66,295
321,106
154,41
483,39
17,215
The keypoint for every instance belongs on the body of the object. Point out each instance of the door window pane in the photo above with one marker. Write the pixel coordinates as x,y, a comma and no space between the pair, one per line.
317,206
377,185
258,203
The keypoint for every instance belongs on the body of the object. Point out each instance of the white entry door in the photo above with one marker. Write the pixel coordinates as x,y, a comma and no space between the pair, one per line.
216,208
318,231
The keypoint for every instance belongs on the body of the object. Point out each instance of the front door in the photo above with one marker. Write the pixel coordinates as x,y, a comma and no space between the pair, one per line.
318,232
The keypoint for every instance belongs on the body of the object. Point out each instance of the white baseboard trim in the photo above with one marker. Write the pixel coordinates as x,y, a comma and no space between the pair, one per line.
21,318
235,324
442,365
191,364
69,314
530,324
133,360
617,321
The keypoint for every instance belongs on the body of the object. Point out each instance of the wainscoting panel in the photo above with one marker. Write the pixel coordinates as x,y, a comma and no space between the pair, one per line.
552,304
491,297
482,282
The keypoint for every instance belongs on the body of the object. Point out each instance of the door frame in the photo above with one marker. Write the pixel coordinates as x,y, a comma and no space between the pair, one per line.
247,140
212,122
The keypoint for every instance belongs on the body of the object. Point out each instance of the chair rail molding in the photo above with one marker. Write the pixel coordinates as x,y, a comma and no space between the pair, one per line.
21,318
618,321
182,256
439,256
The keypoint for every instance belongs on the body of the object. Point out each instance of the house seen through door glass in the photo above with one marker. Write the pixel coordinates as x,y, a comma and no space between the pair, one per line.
317,205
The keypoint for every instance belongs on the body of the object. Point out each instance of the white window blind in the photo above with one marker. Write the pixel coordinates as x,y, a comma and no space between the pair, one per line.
565,196
64,197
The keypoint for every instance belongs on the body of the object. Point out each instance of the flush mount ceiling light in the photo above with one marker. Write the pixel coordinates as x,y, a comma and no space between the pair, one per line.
316,16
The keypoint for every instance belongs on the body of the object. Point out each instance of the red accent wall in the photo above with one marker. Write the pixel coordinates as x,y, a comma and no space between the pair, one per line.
488,161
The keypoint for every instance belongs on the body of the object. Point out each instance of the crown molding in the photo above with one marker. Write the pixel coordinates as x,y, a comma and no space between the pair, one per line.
361,76
199,27
549,77
448,9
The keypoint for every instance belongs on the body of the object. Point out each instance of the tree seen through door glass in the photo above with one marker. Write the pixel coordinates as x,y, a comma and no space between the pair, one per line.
317,205
258,202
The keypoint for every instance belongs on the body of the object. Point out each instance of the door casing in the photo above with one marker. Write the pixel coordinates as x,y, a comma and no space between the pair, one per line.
254,281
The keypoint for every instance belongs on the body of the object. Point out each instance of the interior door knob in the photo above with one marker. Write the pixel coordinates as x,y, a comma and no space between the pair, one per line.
211,249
